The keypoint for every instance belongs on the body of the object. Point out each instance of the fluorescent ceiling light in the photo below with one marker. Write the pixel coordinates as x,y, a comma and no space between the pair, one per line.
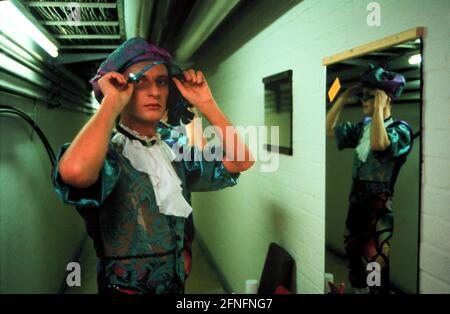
415,59
11,18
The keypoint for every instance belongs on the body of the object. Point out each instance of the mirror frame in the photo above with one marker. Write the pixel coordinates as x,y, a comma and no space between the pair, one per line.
386,42
285,75
411,34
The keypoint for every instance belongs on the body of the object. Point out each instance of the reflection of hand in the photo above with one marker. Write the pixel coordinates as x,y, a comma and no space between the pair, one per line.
381,99
115,85
352,89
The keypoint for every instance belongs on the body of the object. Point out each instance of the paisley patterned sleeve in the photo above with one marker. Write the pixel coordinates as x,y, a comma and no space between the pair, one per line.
94,195
203,175
400,137
347,134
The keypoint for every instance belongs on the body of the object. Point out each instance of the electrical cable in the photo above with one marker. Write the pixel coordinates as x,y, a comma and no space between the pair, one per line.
22,114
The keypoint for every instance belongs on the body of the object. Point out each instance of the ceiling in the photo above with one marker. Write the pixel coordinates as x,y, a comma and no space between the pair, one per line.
87,31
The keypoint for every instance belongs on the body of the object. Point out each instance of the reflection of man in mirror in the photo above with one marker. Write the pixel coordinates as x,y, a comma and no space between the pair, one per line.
381,145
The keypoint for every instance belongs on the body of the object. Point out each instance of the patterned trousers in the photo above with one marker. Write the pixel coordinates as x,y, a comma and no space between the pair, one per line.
369,227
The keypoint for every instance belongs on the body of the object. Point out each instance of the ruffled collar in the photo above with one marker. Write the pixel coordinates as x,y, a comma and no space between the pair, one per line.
132,134
154,157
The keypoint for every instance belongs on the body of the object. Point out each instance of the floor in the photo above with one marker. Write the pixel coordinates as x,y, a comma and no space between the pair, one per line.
203,279
337,266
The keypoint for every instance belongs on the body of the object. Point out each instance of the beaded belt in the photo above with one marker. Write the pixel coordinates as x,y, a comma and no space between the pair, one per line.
117,258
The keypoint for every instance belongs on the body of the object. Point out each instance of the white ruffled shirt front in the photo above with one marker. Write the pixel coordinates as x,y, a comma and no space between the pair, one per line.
156,162
363,148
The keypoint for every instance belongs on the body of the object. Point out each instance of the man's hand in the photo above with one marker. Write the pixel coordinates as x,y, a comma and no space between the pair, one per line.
195,89
381,99
114,84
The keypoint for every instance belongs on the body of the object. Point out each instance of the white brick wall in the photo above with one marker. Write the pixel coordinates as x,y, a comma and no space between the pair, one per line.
288,206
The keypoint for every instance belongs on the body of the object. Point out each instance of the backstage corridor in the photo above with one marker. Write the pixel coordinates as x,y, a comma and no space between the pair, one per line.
271,71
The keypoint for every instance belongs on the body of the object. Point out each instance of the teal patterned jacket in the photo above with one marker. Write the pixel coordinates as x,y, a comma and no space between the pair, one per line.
383,166
139,249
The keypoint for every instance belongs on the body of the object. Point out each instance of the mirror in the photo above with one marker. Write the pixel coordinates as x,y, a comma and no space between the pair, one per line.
371,207
278,110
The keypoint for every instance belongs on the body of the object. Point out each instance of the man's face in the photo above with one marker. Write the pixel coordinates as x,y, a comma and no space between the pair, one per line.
149,100
367,100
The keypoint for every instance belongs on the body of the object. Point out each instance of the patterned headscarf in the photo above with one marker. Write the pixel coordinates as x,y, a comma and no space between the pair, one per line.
136,50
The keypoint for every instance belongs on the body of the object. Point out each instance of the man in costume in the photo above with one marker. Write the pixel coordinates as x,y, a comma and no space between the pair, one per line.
129,184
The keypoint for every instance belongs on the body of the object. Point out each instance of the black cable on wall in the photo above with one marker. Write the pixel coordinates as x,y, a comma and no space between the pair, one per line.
4,109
